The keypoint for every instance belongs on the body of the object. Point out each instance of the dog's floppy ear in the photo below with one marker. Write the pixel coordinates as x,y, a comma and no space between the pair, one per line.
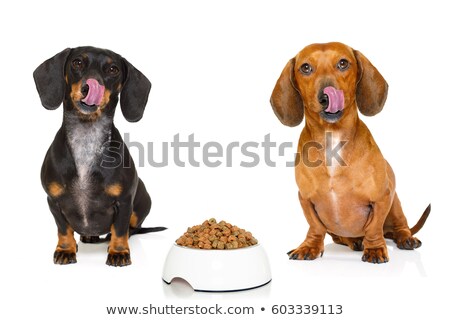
371,89
49,80
134,95
286,100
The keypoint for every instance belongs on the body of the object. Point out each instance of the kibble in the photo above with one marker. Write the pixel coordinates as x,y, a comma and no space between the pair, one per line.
216,235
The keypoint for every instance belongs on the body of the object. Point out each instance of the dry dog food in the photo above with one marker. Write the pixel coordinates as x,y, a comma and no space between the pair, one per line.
216,235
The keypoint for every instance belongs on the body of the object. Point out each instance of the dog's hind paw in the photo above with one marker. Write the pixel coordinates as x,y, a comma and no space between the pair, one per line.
64,257
95,239
408,243
119,259
89,239
305,253
356,244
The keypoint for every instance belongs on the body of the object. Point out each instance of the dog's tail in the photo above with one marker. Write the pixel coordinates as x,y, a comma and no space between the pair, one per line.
417,226
421,221
133,231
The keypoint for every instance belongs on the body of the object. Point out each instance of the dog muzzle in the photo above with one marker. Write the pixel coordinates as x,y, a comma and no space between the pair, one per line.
335,99
95,93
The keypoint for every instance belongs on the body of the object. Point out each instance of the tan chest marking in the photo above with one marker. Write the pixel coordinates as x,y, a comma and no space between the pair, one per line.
114,190
55,189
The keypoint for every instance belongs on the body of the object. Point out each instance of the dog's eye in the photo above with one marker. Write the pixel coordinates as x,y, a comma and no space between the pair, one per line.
343,64
77,64
306,69
112,70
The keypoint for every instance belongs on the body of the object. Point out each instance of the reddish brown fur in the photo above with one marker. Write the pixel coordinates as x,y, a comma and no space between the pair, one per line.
353,202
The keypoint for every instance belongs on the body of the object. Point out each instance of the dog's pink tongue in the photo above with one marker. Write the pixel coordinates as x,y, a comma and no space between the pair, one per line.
335,99
95,93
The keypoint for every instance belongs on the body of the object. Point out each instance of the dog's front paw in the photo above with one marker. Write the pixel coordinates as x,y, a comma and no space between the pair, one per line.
64,257
375,255
305,253
408,243
118,259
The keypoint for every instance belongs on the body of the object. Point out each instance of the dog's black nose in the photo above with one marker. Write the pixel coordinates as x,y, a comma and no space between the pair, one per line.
84,90
323,100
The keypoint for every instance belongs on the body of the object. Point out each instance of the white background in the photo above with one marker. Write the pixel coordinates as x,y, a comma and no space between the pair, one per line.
213,66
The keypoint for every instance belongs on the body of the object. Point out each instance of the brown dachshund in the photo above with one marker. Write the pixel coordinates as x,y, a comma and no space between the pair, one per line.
349,194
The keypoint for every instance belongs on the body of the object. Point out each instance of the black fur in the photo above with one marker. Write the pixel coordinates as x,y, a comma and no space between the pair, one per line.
78,167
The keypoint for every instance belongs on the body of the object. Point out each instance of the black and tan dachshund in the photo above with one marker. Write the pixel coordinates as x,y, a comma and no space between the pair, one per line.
88,173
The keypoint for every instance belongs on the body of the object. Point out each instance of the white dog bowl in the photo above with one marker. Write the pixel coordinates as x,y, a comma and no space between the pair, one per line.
218,270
